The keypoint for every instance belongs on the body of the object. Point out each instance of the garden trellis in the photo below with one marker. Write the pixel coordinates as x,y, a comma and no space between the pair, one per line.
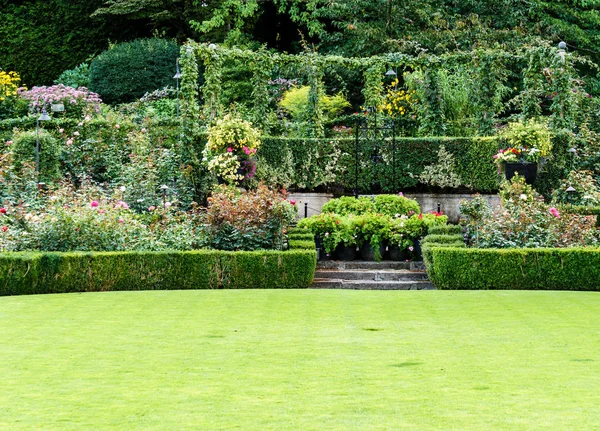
538,71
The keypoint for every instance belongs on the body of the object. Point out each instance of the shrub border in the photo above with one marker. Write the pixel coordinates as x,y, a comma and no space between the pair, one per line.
518,268
38,273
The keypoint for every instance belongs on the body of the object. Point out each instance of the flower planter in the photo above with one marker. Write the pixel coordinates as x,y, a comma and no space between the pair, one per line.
526,170
396,253
367,252
347,253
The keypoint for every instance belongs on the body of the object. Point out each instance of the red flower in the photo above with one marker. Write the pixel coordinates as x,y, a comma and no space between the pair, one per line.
4,228
293,202
420,216
2,210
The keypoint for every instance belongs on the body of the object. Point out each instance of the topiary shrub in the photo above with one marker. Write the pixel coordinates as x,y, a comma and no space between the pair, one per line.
448,229
23,151
127,71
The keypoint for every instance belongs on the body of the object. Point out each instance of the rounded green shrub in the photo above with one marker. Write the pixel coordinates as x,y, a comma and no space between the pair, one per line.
129,70
396,205
349,205
23,152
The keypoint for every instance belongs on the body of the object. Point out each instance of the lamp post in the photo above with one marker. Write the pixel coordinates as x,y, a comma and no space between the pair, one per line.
164,189
571,191
43,117
562,47
177,77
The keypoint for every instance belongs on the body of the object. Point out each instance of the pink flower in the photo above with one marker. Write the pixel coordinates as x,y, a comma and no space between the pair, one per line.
121,220
121,204
4,228
167,204
151,208
69,142
246,150
101,211
76,133
87,118
554,212
229,149
411,248
94,204
61,130
400,194
293,202
144,130
117,126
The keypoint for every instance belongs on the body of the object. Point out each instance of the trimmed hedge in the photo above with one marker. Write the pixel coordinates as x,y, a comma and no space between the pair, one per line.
523,268
301,236
309,163
37,273
302,245
446,229
441,239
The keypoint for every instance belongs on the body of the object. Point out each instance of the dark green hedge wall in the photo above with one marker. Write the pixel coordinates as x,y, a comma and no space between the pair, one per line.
36,273
41,39
312,158
540,268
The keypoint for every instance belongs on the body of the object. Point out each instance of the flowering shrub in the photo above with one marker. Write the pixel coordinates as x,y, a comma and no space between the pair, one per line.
325,226
77,101
525,221
231,144
88,220
529,142
586,193
9,83
248,220
398,102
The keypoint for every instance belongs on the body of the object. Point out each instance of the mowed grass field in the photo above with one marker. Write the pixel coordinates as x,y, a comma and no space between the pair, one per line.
301,360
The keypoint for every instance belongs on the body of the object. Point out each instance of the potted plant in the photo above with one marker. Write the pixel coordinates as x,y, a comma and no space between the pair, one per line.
529,147
231,145
371,231
346,239
323,226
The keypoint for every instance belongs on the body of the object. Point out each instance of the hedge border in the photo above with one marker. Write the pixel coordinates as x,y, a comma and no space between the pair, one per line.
520,268
38,273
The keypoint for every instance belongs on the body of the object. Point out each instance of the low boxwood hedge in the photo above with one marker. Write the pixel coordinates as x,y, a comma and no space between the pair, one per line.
35,273
445,229
302,244
301,237
522,268
442,239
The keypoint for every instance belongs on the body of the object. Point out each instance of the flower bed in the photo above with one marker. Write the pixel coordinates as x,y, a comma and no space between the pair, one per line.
37,273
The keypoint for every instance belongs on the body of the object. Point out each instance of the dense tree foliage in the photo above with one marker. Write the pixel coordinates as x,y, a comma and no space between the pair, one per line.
41,39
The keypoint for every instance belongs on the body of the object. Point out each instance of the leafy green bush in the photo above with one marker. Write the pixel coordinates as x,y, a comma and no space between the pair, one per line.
23,150
396,205
295,101
248,220
526,268
323,226
128,70
36,273
77,77
349,205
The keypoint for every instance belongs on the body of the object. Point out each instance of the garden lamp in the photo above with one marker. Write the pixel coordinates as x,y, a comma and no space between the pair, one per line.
43,117
164,189
562,46
391,73
571,191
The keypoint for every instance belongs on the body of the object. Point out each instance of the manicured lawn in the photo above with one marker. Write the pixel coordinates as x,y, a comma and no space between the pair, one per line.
301,360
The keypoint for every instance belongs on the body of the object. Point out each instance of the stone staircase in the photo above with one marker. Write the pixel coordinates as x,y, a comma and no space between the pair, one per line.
364,275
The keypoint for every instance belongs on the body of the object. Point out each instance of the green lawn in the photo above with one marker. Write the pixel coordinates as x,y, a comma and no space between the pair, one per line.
301,360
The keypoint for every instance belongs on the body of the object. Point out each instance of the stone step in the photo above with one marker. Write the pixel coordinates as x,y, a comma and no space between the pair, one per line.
331,283
372,275
365,264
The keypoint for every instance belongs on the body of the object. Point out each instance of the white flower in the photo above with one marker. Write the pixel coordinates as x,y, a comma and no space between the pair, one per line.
523,196
122,188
